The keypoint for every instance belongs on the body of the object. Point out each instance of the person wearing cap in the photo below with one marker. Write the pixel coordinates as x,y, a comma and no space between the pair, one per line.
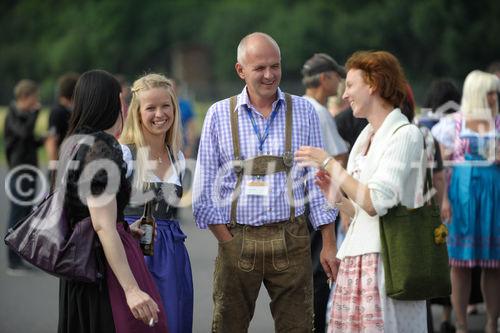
251,194
321,77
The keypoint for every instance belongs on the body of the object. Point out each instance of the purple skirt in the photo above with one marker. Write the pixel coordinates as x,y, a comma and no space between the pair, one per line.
122,316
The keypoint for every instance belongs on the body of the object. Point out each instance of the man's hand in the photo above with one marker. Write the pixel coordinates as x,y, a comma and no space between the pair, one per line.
328,255
329,261
221,232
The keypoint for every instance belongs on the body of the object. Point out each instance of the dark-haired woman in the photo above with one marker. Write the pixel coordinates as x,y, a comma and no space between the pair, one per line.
126,300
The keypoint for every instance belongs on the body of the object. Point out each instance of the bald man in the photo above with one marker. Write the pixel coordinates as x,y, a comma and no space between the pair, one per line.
250,193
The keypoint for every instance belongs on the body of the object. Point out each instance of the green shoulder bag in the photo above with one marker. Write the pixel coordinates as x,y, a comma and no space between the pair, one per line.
414,251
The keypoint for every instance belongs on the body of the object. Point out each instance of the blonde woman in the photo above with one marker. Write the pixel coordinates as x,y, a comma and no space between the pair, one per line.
126,300
471,140
151,137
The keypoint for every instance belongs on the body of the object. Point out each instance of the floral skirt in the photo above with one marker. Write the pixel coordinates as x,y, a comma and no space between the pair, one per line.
361,305
356,302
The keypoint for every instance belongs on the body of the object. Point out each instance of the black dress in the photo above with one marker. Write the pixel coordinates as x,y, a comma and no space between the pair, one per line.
85,307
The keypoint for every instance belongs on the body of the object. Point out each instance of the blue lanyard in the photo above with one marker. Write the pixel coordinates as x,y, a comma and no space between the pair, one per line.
262,139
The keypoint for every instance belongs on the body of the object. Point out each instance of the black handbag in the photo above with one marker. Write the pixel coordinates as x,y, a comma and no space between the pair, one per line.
414,251
46,239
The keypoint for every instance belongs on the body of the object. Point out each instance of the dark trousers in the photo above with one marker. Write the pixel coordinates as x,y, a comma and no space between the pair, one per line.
276,255
23,188
320,283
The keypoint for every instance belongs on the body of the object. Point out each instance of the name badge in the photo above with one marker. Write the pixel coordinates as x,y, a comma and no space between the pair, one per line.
256,187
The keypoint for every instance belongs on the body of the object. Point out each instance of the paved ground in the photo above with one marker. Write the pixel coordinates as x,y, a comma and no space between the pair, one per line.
28,303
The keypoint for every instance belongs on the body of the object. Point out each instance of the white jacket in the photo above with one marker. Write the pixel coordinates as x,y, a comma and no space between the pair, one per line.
394,172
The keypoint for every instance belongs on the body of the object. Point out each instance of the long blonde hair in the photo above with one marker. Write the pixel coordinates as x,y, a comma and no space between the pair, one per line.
132,130
474,97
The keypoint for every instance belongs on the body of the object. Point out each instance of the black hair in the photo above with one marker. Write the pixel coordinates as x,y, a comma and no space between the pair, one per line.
66,85
440,92
96,102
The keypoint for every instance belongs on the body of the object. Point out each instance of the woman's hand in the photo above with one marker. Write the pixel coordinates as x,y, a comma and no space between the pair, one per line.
330,190
446,210
135,229
308,156
137,232
143,307
345,221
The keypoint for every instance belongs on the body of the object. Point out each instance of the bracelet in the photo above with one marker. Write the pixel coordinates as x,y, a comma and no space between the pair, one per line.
335,205
338,204
325,162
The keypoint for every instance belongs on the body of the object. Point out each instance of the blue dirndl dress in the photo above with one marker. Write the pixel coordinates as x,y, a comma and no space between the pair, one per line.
474,193
170,265
171,270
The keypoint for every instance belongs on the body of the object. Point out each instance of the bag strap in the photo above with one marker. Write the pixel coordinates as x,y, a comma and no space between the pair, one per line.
428,184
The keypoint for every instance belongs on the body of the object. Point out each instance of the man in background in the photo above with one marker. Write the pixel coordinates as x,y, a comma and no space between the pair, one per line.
321,78
59,117
21,153
188,120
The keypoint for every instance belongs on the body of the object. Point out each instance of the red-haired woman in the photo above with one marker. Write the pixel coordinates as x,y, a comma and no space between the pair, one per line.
386,167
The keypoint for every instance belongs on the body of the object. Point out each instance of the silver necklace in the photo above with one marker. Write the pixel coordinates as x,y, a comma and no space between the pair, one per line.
159,159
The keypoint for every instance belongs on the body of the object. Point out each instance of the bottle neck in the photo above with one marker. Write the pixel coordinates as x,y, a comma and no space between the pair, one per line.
148,210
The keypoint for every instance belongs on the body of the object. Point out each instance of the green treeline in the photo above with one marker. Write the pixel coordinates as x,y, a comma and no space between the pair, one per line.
42,39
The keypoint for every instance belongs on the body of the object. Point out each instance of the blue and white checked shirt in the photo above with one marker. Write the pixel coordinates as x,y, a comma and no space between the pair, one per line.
215,180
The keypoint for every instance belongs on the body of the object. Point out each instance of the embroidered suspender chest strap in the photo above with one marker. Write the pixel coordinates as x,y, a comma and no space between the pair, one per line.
265,164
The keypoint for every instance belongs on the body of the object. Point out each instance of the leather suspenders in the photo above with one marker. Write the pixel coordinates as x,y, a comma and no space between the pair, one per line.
262,165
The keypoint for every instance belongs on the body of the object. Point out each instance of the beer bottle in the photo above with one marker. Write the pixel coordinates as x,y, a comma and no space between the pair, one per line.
148,225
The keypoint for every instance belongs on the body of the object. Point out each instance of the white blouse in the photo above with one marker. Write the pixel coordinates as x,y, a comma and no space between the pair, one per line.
393,170
180,164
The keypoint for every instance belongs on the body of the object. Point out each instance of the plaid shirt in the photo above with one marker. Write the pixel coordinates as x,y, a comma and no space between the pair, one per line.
215,180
